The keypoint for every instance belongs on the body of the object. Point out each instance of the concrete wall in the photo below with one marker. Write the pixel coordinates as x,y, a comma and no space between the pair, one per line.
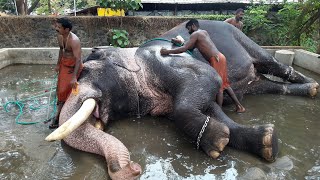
10,56
307,60
37,31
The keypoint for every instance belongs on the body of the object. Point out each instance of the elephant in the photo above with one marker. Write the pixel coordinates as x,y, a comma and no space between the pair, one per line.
123,82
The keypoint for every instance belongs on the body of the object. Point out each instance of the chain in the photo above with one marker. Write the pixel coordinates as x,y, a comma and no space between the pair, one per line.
202,130
290,73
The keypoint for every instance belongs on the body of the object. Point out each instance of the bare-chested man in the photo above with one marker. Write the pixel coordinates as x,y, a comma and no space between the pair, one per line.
200,39
69,64
237,20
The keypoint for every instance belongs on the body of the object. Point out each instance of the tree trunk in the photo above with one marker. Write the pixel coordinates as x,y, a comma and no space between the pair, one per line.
21,7
49,6
33,6
318,49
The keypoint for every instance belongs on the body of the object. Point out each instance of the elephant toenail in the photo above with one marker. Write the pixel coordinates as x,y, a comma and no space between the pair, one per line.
267,154
214,154
223,143
267,140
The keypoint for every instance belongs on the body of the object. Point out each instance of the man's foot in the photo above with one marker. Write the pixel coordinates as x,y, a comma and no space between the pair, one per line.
240,109
54,124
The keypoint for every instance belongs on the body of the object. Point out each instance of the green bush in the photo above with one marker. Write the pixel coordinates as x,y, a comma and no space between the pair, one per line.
118,38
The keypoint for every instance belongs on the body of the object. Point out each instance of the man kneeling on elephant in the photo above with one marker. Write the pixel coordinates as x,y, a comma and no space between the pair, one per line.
200,39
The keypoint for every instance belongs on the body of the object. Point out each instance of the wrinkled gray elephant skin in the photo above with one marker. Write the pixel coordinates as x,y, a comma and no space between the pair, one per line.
139,81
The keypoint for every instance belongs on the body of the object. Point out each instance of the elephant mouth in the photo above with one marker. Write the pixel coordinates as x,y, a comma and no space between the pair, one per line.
74,122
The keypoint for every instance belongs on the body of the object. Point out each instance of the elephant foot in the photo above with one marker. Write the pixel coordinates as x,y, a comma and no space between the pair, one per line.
269,149
313,89
129,172
215,139
219,147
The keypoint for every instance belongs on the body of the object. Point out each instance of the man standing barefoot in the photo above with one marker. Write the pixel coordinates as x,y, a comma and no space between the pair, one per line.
69,64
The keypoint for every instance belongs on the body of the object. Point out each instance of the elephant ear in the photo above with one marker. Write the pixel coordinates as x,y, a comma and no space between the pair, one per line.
122,57
126,58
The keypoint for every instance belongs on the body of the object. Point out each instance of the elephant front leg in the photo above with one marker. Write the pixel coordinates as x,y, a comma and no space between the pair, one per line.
213,137
264,85
207,133
260,140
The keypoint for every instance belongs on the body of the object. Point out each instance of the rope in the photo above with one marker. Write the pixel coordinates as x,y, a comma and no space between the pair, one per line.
36,106
162,39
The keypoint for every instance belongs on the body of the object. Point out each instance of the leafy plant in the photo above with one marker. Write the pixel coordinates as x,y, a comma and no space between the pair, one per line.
119,38
126,5
256,18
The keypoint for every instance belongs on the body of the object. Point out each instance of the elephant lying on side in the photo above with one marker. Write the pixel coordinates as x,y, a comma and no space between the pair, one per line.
118,83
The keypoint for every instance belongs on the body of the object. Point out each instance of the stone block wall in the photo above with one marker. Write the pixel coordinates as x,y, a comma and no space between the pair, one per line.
38,31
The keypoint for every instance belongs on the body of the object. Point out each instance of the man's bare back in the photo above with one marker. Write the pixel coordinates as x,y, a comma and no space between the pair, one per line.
199,39
204,44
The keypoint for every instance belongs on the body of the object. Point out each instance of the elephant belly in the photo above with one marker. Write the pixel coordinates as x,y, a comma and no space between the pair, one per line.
161,105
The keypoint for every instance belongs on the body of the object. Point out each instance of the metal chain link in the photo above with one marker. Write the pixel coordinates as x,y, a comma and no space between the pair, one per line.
202,130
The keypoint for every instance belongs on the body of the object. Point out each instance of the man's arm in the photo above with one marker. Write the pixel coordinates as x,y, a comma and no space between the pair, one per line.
188,45
229,20
60,41
76,49
241,25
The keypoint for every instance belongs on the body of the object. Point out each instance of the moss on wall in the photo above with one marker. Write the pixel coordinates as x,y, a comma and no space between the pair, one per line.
38,31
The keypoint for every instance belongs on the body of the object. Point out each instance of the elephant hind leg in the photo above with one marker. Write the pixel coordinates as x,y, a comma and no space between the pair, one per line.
264,85
287,73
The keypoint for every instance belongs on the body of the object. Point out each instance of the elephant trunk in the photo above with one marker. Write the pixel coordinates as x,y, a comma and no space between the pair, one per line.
117,157
83,136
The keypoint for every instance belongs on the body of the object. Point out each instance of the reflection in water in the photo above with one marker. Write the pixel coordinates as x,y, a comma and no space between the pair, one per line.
162,150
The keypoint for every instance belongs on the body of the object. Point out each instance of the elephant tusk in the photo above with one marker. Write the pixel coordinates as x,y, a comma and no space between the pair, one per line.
74,122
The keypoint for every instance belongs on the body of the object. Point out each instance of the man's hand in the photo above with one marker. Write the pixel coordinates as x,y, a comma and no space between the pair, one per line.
57,68
73,82
178,40
164,51
175,40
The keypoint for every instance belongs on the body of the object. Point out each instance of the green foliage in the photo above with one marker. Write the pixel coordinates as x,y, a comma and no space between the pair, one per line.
309,43
256,18
7,5
60,6
121,4
118,38
294,24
